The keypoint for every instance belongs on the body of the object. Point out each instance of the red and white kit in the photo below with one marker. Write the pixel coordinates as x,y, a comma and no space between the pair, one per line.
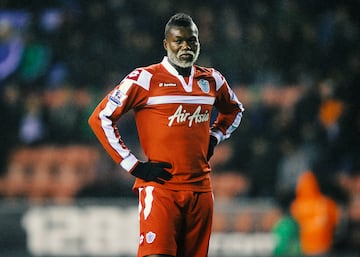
173,116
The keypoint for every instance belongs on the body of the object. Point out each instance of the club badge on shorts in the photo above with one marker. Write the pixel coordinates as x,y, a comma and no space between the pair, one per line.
150,237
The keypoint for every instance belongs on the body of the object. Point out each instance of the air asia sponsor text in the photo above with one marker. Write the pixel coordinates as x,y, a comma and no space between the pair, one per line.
181,115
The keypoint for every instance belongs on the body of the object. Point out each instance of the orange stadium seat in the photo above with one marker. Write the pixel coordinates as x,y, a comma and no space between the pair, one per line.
49,172
16,182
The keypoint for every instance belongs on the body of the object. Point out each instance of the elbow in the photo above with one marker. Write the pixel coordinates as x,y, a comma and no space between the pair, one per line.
93,121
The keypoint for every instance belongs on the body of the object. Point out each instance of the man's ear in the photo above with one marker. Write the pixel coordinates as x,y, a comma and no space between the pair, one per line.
165,44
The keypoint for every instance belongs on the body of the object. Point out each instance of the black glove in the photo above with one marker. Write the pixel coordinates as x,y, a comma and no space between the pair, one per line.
152,171
212,144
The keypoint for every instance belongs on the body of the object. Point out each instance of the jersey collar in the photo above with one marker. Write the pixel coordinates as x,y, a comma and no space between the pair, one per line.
187,86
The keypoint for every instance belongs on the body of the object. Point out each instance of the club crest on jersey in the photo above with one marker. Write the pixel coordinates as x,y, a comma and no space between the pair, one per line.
117,97
204,85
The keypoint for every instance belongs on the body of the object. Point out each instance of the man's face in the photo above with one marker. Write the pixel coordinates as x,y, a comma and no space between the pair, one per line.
182,45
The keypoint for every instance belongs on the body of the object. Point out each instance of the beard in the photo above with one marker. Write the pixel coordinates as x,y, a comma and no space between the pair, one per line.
183,63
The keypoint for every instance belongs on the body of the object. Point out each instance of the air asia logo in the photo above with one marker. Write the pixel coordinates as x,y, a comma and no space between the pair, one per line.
181,115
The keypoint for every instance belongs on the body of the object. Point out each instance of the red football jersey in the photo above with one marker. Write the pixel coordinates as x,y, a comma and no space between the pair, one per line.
172,115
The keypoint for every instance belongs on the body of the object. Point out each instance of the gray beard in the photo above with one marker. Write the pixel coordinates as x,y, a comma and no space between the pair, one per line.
182,64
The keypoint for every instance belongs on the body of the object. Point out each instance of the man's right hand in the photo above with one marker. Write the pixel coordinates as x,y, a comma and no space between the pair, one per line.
152,171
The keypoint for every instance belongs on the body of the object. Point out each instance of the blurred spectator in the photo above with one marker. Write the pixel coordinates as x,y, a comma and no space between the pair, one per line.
32,127
286,230
350,183
35,61
352,240
11,43
262,167
318,216
294,160
10,106
70,106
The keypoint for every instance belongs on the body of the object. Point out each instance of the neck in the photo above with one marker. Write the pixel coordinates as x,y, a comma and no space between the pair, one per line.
185,72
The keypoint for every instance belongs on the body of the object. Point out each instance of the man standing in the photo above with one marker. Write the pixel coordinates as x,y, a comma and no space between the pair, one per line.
172,102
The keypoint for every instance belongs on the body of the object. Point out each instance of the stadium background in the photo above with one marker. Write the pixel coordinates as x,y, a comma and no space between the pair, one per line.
294,64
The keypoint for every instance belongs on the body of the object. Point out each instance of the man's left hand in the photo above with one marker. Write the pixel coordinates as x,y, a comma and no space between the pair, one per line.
213,142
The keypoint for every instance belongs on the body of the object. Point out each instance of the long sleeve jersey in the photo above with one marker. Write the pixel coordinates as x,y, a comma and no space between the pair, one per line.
173,116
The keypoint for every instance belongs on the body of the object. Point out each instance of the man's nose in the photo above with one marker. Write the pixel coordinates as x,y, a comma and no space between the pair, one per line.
186,45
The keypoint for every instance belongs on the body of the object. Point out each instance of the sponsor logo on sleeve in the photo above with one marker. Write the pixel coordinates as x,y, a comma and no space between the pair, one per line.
117,97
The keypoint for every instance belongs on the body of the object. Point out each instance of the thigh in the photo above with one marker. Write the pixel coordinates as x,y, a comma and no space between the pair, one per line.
198,226
160,219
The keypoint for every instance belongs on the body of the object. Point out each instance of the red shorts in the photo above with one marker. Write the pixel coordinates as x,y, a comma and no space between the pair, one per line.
176,223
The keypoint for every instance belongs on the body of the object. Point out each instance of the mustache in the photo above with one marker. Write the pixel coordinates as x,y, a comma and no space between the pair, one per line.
186,52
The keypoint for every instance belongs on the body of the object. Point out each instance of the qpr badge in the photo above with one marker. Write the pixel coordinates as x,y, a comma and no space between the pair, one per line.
150,237
204,85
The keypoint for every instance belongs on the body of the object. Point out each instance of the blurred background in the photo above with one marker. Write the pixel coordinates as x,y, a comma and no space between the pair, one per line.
294,64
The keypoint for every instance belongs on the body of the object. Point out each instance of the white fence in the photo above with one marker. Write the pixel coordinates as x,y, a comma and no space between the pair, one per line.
98,228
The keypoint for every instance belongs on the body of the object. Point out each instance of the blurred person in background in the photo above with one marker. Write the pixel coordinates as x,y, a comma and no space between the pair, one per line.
172,101
10,98
318,216
286,229
349,181
11,48
32,127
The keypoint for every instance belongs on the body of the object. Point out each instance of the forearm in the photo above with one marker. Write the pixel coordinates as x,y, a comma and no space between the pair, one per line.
106,132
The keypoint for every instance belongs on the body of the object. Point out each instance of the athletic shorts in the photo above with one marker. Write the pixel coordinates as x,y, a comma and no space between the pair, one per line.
176,223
